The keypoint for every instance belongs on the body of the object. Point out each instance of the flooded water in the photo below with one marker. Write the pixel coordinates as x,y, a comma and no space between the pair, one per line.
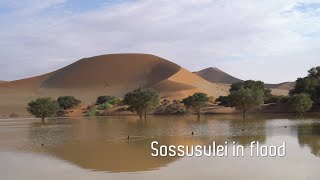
99,148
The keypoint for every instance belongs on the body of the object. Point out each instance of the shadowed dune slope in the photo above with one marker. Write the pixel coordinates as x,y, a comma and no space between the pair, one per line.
125,70
215,75
105,72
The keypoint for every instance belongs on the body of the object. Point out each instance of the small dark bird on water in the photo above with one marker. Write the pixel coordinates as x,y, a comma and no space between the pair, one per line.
285,126
42,144
242,129
192,133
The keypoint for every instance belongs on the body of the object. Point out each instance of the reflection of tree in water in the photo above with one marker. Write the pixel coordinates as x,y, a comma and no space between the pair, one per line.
50,133
309,135
244,132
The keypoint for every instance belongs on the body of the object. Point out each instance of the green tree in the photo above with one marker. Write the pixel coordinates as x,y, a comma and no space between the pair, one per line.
43,107
246,99
142,100
103,99
314,72
300,103
223,101
67,102
309,85
197,102
254,85
276,99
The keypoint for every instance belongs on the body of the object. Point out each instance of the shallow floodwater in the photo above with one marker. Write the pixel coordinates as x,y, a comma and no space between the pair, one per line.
99,148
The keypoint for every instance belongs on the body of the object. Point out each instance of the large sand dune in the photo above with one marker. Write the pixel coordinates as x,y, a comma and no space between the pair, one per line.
114,74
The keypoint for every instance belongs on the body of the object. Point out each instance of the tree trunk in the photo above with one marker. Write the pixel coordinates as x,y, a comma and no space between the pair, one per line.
42,119
140,114
145,115
301,114
244,114
198,113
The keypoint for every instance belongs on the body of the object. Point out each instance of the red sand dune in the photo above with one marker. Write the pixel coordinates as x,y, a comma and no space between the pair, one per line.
114,74
117,74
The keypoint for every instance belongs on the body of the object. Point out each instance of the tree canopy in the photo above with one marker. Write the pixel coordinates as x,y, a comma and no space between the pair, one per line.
67,102
43,107
197,101
142,100
309,85
245,99
103,99
254,85
300,103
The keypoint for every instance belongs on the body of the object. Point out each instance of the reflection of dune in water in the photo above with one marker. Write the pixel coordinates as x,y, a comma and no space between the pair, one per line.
118,155
103,145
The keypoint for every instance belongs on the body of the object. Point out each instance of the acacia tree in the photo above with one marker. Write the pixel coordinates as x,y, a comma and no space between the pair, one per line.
197,102
142,100
300,103
67,102
246,99
254,85
43,107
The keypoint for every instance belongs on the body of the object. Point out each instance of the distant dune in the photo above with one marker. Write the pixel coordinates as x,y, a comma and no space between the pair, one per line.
283,86
2,81
215,75
114,74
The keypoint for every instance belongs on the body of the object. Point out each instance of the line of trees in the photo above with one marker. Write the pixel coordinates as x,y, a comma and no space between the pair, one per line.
48,107
250,94
244,96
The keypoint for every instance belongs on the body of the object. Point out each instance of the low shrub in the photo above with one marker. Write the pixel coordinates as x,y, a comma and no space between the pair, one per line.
115,101
92,112
104,106
103,99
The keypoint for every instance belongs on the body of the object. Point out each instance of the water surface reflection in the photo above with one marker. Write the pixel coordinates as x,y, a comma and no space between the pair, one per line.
102,144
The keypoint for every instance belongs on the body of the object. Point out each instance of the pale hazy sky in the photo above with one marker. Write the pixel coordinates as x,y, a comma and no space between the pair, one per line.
271,40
